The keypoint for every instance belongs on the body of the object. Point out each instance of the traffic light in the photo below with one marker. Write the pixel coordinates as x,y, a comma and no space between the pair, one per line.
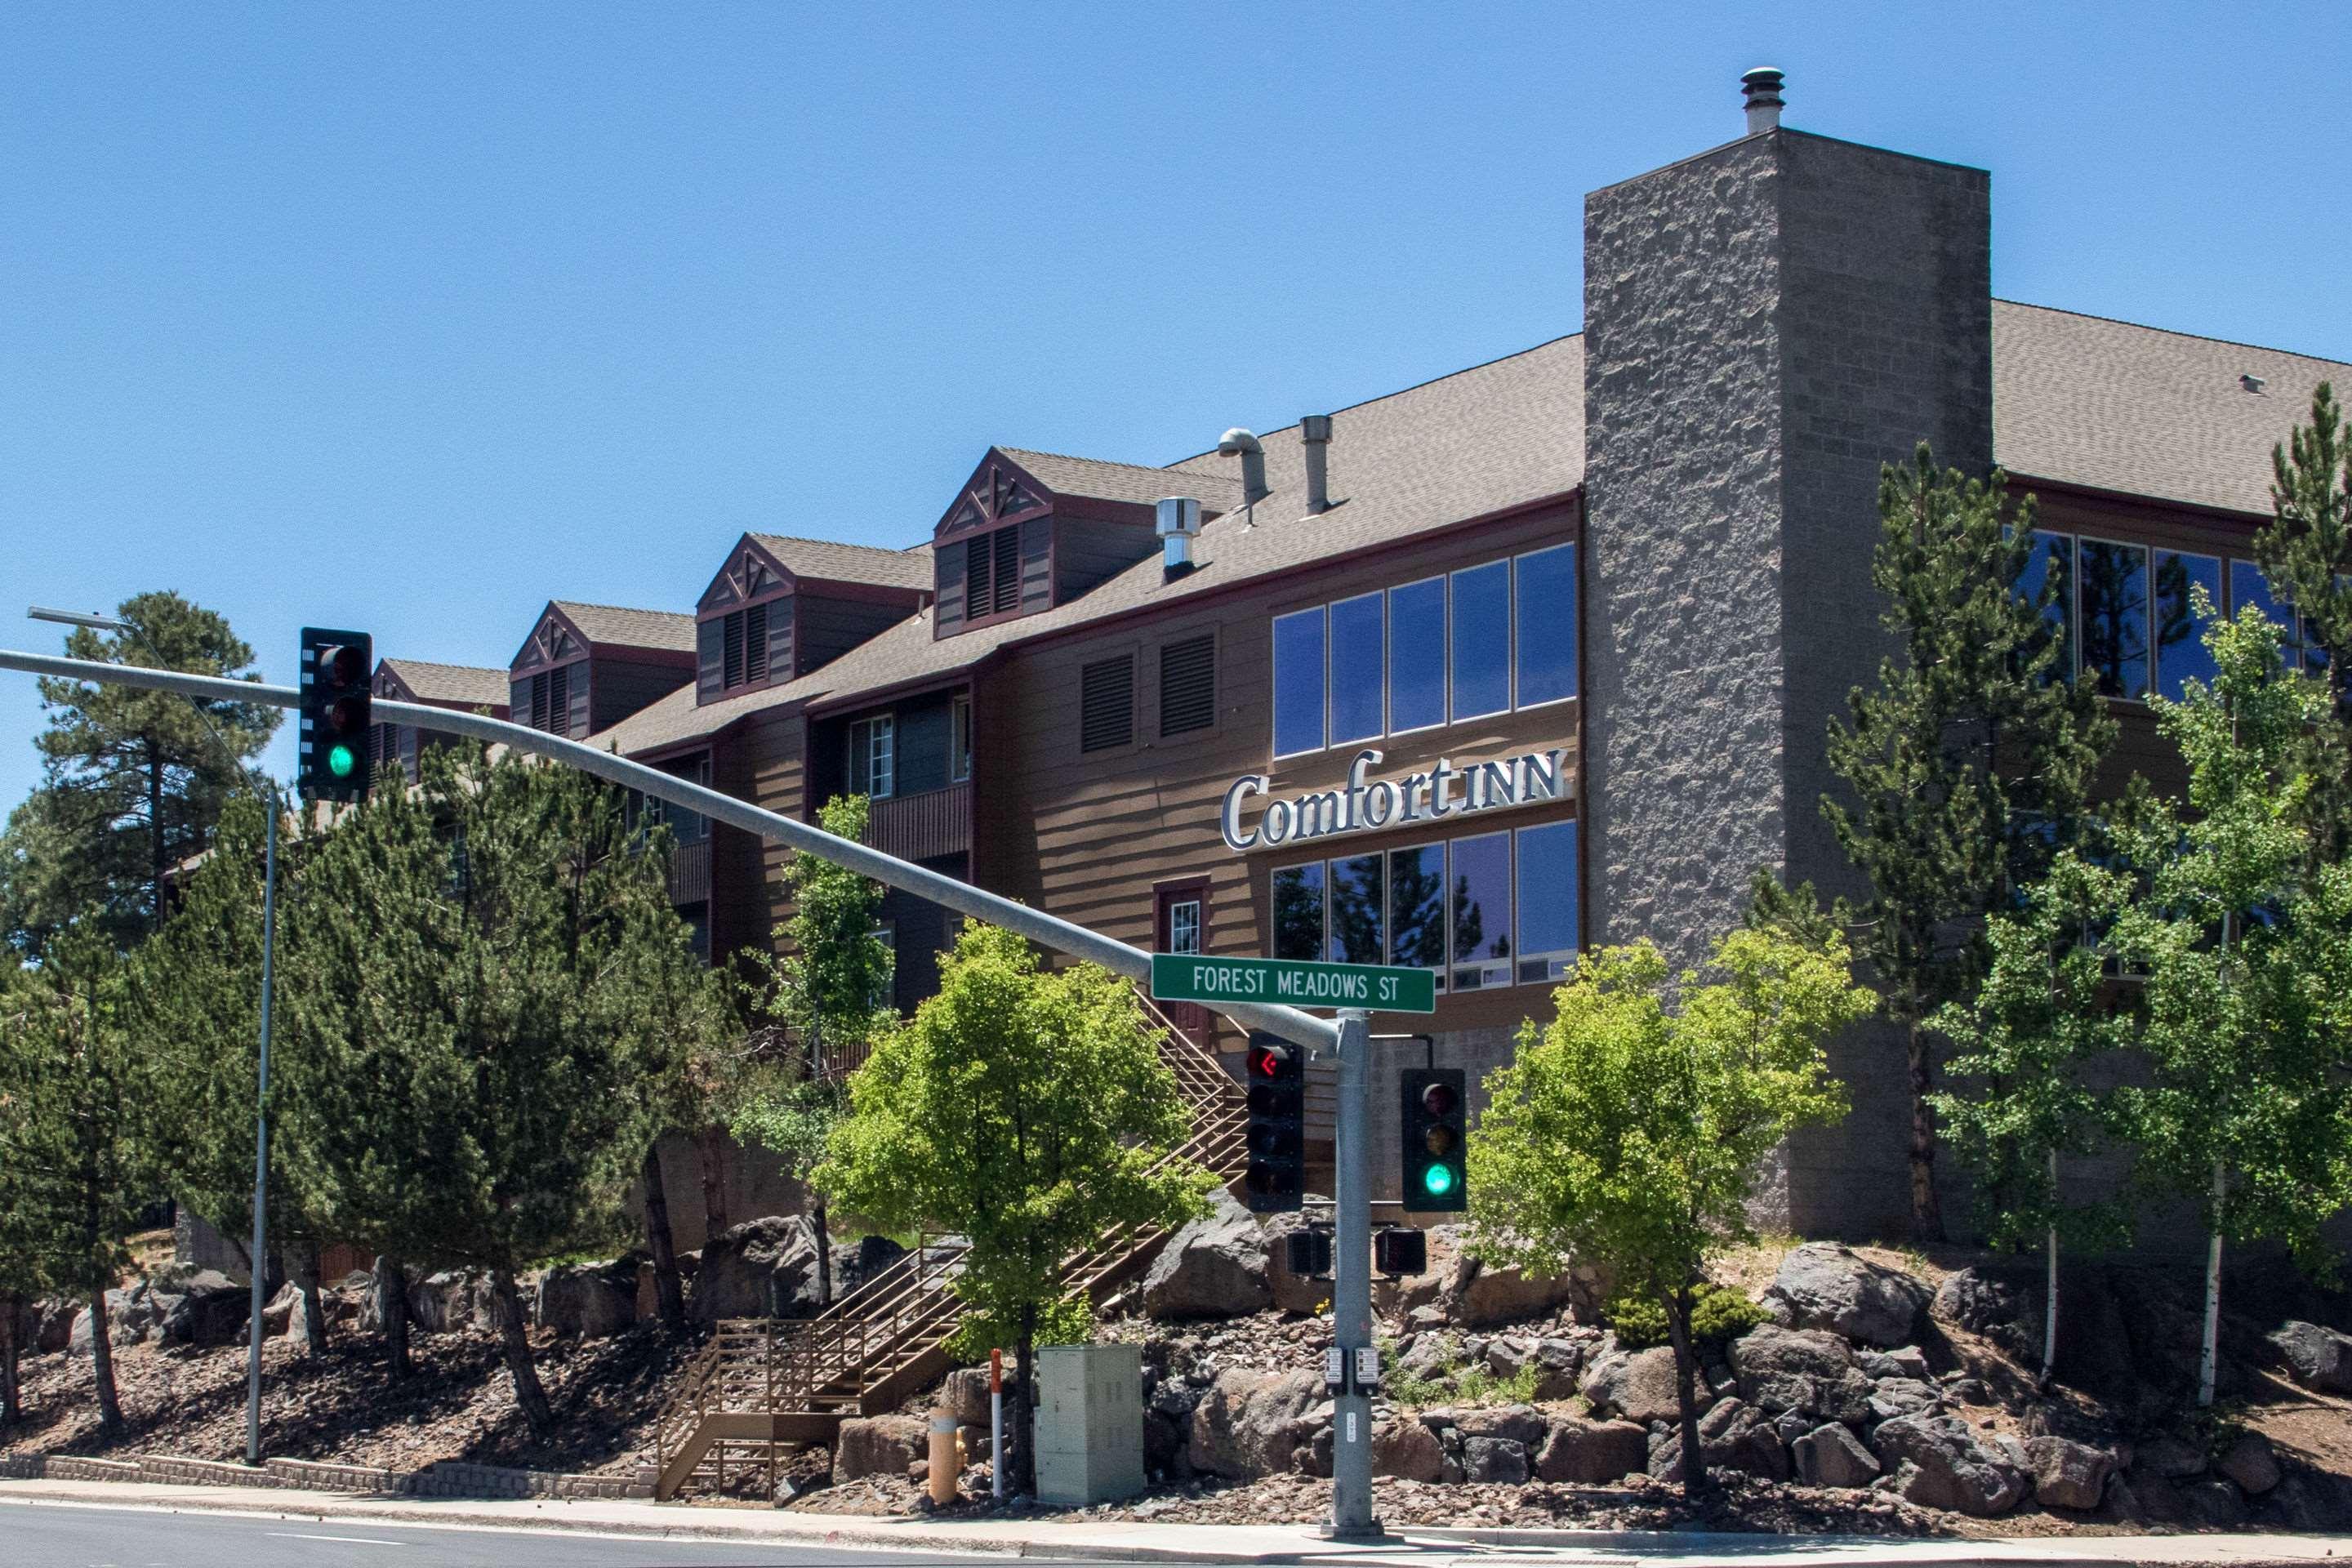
333,750
1399,1252
1278,1126
1435,1139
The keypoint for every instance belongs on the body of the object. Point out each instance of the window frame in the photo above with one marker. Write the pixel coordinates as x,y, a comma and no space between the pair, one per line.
886,726
1510,641
1576,647
2146,610
1445,655
1331,736
2157,556
960,738
1322,685
1522,956
1322,899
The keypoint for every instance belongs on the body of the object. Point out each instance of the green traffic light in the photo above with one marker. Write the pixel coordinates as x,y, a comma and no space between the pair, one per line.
1437,1181
341,761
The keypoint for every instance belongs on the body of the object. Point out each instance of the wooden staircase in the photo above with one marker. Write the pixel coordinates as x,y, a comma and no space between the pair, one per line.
763,1384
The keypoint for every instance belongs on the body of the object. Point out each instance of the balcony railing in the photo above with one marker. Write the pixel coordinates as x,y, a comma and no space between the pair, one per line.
922,826
690,873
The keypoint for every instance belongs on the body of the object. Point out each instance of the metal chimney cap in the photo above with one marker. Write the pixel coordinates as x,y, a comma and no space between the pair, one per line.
1176,515
1761,90
1315,427
1237,440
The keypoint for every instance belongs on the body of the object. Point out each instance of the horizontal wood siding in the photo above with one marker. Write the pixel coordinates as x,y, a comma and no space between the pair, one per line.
1036,564
1089,552
1088,834
772,747
830,627
619,685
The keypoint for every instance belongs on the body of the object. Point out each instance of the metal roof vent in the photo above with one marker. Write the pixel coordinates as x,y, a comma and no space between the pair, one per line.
1178,522
2253,383
1315,435
1252,456
1761,89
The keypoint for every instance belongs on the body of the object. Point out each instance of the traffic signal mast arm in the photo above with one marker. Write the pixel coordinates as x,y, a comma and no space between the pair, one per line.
1051,931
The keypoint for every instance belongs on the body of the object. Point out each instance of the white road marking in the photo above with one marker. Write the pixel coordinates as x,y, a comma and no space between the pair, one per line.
350,1540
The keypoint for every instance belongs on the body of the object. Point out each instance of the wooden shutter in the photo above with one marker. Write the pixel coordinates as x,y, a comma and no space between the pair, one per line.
755,644
733,652
779,639
539,700
710,668
979,598
1188,685
1106,704
559,701
1006,571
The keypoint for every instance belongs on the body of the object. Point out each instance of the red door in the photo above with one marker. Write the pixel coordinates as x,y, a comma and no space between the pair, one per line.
1180,925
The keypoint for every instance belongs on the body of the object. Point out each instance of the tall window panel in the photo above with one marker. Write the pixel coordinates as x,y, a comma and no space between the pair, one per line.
1298,682
1417,656
2052,563
755,644
1549,926
1481,898
2180,652
2250,586
1417,907
1298,911
1358,909
874,757
1543,605
2111,600
1481,640
1359,659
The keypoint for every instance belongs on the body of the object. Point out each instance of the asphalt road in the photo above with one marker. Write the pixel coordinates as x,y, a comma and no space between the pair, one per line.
48,1536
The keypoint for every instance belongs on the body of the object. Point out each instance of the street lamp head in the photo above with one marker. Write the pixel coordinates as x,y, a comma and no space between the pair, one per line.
91,620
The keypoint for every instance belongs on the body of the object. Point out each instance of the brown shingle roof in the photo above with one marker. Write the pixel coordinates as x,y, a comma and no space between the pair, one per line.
2115,406
466,683
837,563
1118,481
611,625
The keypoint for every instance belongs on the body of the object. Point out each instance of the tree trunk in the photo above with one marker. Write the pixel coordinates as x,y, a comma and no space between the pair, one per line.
1024,1408
1678,1311
670,1287
1927,1208
392,1307
11,1405
516,1334
102,1361
155,830
824,1254
714,1186
306,1281
2209,1350
2050,1294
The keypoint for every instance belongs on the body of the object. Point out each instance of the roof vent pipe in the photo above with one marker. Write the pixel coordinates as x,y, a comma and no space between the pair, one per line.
1315,431
1761,89
1252,456
1178,522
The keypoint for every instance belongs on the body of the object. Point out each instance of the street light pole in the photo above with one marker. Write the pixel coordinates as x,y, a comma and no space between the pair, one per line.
267,789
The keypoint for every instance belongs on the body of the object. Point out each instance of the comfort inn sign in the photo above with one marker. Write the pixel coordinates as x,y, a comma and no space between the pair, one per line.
1442,793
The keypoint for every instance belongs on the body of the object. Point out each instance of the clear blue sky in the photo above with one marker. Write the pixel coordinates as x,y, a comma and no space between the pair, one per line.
553,300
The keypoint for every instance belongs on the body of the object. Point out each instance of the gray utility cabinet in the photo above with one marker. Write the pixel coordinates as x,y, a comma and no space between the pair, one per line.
1090,1424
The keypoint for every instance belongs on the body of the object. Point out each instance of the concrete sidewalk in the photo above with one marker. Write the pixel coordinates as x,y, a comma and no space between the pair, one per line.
1090,1541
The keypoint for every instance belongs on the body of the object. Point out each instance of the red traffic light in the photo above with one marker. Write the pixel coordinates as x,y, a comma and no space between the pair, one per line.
1439,1100
1267,1061
343,666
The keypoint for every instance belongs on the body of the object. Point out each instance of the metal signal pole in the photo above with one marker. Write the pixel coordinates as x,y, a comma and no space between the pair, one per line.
1351,1286
261,1139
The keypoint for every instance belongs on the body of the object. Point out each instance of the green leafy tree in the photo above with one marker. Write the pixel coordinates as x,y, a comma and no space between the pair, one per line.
1958,763
2241,931
133,781
193,999
469,1055
73,1085
1028,1111
2025,1096
1628,1131
2306,551
830,994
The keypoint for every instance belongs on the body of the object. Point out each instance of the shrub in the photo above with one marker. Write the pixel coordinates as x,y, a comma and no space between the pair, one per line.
1718,1318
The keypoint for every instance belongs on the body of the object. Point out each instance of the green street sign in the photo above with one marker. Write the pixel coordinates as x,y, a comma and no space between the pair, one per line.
1383,988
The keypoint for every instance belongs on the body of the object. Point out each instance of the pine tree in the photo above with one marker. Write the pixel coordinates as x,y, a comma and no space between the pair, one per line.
133,780
472,1055
2306,551
1965,767
1027,1110
73,1085
831,992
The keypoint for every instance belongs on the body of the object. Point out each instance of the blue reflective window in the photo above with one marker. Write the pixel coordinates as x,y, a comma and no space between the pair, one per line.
1358,656
1298,682
2180,653
1481,639
1481,899
2053,562
1298,911
1417,654
2111,598
1358,909
1417,906
2248,585
1548,930
1544,607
